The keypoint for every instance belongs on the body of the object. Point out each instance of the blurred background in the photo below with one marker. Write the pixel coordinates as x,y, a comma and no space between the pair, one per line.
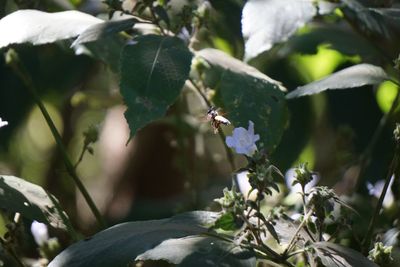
178,163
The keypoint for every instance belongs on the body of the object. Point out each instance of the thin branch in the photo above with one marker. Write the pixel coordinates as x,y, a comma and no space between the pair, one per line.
285,253
392,171
366,155
24,75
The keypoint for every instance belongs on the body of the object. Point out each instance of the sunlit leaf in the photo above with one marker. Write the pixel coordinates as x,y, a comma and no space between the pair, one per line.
153,71
121,244
220,61
334,255
354,76
38,27
265,23
200,251
32,201
104,29
246,98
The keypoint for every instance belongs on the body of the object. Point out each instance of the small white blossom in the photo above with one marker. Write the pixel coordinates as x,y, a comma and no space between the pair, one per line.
243,141
39,232
290,175
3,123
377,188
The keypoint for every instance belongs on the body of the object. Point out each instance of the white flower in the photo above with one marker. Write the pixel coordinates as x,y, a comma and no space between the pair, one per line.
244,141
39,232
3,123
377,188
290,175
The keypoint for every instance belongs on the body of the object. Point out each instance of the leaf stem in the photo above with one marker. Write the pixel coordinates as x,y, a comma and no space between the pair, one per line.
285,253
21,71
366,155
392,172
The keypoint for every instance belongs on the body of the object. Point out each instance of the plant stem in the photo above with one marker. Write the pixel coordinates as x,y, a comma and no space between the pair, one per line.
366,155
285,253
392,172
24,75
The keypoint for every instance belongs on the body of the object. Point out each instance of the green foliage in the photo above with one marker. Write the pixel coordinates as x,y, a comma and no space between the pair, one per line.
153,58
32,201
355,76
153,72
175,240
243,96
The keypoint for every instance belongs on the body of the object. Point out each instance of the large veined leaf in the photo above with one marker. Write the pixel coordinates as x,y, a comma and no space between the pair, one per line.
32,201
220,61
121,244
200,251
104,29
354,76
266,22
245,98
38,27
334,255
153,71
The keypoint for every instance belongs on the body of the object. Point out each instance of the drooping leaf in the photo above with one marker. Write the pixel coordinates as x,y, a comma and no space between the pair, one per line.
389,13
220,62
104,29
365,17
32,201
246,98
38,27
338,38
354,76
334,255
153,71
121,244
200,251
107,50
267,22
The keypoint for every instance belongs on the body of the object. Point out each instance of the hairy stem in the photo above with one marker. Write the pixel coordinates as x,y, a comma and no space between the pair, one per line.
366,155
20,70
392,171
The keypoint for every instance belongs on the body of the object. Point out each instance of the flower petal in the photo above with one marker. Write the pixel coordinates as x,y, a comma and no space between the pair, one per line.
230,141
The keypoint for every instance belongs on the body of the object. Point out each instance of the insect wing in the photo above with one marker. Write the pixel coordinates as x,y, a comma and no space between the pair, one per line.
222,120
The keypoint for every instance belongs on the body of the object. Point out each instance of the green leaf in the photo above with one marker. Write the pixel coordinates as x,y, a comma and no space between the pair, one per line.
107,49
153,71
334,255
226,222
32,201
364,18
121,244
246,98
200,251
220,62
37,27
354,76
103,30
267,22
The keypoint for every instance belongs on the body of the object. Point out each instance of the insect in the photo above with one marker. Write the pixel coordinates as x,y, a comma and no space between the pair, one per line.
216,119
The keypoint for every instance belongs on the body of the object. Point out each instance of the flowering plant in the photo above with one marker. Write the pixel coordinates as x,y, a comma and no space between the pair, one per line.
243,140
